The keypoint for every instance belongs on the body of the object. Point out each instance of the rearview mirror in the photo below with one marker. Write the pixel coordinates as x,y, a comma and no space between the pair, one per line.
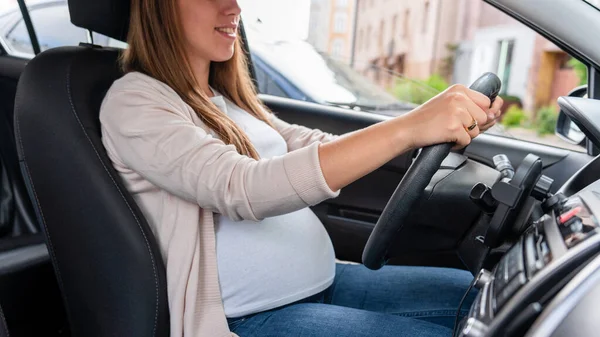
565,128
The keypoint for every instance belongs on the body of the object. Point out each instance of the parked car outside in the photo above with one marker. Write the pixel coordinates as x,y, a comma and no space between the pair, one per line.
293,68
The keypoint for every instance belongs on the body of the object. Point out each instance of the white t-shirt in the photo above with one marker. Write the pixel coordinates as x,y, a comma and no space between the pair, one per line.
279,260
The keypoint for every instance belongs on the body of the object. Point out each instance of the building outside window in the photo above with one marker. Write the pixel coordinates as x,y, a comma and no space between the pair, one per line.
359,41
505,51
342,3
425,17
337,48
340,21
406,23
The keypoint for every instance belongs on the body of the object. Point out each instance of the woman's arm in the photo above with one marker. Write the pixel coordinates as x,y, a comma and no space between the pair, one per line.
155,139
297,136
445,118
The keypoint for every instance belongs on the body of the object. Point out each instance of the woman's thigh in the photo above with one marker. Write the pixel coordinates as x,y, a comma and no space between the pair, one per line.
324,320
427,293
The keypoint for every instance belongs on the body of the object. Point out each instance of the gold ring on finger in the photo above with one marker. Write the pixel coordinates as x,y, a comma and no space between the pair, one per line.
473,125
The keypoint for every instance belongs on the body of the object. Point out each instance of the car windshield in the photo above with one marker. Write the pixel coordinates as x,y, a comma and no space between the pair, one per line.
324,78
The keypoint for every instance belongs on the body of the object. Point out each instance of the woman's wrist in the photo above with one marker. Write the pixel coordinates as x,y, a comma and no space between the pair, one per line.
401,136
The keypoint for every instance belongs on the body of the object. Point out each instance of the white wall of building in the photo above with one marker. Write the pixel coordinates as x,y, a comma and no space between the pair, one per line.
484,55
318,28
462,63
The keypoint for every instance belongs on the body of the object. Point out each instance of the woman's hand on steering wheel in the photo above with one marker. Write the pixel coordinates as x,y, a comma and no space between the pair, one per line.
456,115
450,118
494,113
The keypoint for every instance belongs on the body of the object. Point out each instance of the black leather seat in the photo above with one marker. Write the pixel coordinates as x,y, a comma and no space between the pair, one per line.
16,211
105,256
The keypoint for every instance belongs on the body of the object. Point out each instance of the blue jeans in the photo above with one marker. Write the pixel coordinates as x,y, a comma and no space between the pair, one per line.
394,301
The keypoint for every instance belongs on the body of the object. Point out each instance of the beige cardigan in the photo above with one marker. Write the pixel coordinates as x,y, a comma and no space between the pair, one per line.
180,174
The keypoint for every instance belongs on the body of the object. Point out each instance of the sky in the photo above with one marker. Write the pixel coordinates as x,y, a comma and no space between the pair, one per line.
289,17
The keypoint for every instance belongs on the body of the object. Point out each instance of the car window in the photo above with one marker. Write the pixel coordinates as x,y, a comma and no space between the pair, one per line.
387,57
53,28
266,84
51,21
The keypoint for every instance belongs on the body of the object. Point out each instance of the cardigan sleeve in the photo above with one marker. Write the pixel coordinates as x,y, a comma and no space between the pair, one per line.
159,142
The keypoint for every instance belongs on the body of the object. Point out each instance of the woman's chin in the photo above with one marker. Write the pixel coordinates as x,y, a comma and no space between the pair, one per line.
223,56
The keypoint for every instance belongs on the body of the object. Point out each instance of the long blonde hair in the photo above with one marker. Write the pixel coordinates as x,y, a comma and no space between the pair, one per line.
156,49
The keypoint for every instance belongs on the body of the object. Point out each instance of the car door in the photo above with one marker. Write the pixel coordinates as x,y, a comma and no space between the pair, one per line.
350,218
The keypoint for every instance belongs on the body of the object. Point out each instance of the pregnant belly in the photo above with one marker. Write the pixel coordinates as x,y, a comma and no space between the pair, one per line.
273,262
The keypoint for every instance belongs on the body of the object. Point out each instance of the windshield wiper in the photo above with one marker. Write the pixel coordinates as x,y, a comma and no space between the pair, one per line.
398,106
352,105
371,107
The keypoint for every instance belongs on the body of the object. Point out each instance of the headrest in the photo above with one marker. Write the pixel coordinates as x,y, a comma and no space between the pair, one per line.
107,17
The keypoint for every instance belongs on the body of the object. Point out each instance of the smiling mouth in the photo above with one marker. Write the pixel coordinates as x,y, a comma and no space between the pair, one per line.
228,31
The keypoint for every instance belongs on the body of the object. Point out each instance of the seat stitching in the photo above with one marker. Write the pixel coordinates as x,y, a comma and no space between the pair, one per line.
122,196
5,325
35,195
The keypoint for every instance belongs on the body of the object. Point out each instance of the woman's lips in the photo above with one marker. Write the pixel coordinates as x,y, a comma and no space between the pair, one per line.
228,32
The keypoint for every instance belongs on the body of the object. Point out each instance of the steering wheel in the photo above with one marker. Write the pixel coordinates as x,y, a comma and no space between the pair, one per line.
411,188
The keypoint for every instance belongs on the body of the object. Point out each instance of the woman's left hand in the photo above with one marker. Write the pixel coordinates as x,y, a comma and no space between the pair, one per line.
493,114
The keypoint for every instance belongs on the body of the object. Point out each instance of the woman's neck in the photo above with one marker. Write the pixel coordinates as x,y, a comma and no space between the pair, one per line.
201,69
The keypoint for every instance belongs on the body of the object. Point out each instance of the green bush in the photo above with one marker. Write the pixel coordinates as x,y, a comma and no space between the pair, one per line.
437,82
419,92
514,117
411,92
545,121
510,99
580,69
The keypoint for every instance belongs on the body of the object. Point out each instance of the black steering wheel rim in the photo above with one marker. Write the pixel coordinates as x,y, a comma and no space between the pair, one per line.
412,187
399,207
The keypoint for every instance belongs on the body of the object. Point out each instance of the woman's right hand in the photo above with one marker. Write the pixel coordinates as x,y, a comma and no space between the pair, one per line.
445,118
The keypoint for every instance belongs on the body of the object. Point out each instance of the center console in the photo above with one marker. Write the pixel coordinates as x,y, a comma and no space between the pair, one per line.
545,257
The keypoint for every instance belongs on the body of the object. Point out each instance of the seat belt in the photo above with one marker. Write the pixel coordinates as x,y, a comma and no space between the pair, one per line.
35,44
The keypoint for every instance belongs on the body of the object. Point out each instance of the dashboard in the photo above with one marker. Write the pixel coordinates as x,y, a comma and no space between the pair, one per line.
546,257
547,281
